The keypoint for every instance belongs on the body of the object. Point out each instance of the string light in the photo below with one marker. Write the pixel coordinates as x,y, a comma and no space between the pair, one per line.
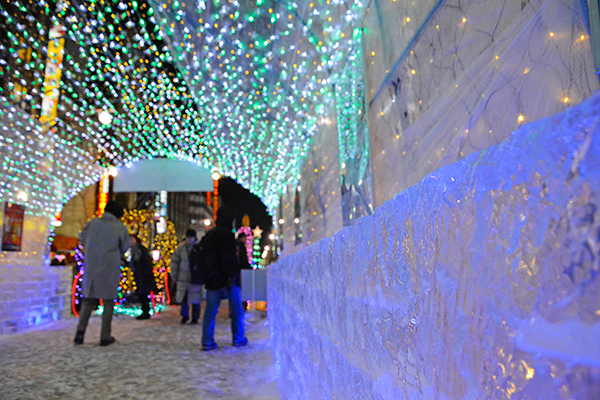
246,101
142,223
264,88
237,86
116,62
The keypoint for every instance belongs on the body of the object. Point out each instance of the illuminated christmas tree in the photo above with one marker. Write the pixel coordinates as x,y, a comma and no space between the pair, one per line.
256,254
143,224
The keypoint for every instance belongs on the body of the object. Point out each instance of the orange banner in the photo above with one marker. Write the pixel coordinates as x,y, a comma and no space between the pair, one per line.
52,75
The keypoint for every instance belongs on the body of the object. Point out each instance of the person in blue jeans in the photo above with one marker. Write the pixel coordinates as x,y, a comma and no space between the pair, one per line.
224,283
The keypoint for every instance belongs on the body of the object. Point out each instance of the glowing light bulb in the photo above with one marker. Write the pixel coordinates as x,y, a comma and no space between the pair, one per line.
22,195
104,117
155,255
161,226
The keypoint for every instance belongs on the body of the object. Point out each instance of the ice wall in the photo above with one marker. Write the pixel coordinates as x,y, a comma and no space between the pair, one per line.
474,72
479,282
445,79
31,291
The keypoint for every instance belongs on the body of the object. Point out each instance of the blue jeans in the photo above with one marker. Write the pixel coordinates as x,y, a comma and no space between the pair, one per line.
213,300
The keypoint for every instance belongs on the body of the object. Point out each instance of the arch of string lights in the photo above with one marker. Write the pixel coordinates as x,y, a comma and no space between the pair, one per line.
237,86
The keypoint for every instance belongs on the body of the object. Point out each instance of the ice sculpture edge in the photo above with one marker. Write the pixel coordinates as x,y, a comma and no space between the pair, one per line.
479,282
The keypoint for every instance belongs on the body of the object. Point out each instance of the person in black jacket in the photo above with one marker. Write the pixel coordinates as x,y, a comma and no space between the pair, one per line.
143,274
225,283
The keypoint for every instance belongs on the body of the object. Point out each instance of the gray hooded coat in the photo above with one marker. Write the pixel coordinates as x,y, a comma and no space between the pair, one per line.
105,240
180,270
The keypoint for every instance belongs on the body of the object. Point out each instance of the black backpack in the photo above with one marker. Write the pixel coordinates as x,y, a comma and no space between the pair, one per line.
203,261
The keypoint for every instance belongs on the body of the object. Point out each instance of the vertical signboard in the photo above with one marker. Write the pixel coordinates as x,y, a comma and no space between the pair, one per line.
12,227
52,75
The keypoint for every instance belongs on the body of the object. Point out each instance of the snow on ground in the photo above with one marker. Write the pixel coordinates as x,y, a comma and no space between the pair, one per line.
156,358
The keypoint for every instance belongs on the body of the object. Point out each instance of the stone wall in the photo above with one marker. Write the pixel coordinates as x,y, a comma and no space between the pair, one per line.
479,282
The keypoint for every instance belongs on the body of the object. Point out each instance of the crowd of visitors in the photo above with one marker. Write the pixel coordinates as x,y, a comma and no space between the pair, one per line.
214,263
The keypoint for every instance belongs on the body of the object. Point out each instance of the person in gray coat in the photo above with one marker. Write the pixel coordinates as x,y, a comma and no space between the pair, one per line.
187,292
105,241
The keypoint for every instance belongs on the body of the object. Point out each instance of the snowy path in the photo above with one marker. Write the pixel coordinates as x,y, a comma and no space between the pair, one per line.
158,358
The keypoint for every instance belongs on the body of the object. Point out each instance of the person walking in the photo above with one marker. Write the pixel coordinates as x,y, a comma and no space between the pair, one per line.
143,274
187,292
224,283
105,241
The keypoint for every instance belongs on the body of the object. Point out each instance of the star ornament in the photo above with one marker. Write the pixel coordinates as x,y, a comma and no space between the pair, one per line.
257,232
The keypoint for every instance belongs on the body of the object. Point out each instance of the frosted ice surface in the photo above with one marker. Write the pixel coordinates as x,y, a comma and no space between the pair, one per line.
479,282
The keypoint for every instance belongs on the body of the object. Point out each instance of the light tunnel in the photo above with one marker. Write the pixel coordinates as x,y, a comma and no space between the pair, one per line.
431,168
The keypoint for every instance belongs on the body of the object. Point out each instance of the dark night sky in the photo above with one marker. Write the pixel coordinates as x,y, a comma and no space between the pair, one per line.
243,202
